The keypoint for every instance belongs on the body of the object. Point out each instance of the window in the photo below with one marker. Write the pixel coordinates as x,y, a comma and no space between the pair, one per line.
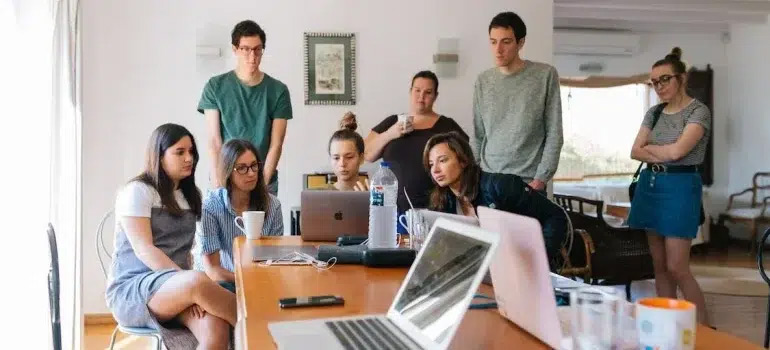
600,125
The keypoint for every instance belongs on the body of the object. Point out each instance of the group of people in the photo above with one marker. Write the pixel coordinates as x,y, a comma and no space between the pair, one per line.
159,280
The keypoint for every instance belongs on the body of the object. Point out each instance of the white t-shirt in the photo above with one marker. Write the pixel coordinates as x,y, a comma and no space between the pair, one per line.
137,199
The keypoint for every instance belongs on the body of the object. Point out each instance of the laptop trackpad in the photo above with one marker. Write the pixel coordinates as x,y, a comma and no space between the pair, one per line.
303,335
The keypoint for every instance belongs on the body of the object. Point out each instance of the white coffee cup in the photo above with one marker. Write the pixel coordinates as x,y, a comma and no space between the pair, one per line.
407,120
251,223
666,324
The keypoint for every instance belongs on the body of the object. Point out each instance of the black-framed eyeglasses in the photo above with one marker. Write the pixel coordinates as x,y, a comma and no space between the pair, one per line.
662,81
243,169
258,51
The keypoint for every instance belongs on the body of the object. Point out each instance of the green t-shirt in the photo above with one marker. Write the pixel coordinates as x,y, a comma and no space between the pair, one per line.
247,112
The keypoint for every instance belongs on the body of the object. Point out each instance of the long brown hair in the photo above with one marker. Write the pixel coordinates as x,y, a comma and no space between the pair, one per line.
469,178
231,150
154,175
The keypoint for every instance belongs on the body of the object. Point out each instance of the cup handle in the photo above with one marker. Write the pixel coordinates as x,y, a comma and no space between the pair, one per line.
240,226
405,222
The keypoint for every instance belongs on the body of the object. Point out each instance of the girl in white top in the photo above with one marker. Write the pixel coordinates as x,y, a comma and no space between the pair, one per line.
151,284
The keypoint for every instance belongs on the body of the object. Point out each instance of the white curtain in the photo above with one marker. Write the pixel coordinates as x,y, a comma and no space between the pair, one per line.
26,31
65,138
40,180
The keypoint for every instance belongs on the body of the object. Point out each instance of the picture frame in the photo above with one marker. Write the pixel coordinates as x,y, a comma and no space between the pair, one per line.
330,68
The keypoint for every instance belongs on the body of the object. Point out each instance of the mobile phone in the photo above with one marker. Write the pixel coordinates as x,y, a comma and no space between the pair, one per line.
319,300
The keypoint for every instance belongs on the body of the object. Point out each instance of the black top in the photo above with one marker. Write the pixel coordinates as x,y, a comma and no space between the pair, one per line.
405,157
510,193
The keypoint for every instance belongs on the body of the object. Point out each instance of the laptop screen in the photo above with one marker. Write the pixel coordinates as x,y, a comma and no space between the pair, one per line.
442,278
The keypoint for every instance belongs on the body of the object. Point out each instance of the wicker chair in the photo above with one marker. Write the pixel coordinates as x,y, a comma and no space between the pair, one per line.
612,255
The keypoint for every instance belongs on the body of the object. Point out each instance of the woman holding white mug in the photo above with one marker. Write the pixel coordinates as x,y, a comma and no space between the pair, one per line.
399,139
244,196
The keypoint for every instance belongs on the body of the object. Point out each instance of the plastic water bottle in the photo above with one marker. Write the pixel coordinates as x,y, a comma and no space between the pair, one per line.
382,208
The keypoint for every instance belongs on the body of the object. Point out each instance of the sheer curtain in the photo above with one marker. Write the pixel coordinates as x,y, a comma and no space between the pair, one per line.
65,179
39,178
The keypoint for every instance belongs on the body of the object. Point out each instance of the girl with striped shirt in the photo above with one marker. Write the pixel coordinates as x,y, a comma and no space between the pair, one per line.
244,189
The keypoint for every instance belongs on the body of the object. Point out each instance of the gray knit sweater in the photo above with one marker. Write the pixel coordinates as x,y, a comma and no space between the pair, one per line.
517,121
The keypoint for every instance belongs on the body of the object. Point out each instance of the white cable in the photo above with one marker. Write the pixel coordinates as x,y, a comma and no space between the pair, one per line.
299,258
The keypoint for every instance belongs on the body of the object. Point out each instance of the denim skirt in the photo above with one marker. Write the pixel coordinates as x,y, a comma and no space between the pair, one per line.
667,203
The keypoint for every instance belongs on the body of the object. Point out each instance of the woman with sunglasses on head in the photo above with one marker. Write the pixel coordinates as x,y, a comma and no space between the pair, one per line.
667,199
239,170
151,284
461,187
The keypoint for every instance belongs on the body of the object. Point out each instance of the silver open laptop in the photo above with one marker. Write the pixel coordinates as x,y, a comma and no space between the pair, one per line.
522,281
427,309
326,215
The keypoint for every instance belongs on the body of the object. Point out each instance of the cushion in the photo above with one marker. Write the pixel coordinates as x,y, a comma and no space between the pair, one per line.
747,213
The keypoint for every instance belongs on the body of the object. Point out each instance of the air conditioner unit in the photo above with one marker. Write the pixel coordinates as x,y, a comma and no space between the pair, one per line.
595,43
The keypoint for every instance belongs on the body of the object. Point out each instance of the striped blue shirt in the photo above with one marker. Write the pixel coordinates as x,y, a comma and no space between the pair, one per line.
217,228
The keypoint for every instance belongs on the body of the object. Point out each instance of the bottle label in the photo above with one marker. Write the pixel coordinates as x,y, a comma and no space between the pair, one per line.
377,196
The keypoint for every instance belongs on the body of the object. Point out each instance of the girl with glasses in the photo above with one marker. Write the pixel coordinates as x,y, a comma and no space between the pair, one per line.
667,200
239,171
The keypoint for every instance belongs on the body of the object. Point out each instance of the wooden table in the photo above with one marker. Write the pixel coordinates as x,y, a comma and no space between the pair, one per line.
370,291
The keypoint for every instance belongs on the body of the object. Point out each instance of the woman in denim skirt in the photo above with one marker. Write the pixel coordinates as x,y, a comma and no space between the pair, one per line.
667,200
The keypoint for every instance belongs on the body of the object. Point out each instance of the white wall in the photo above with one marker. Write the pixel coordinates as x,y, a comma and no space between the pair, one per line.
698,51
749,129
749,114
140,70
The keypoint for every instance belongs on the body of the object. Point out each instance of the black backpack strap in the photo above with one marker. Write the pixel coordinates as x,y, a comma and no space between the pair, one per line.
655,116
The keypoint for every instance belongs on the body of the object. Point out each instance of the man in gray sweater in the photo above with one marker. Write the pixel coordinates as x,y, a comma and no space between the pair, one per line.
517,109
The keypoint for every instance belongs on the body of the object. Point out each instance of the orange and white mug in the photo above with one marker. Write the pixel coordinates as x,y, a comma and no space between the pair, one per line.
666,324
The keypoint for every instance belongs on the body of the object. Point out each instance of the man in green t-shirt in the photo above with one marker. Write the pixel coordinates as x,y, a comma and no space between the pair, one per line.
246,103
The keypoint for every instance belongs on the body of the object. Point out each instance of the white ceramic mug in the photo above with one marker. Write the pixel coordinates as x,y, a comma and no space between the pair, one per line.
407,120
414,223
666,324
251,223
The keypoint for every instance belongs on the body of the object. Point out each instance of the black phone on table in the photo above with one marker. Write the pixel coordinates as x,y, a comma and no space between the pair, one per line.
319,300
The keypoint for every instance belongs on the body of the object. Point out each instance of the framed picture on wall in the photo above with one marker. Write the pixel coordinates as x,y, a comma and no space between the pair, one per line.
330,69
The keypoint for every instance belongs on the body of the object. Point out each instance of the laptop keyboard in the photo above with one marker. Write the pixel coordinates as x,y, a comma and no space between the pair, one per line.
370,333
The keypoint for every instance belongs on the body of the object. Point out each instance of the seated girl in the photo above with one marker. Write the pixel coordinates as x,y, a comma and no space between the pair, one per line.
151,284
239,170
346,154
461,186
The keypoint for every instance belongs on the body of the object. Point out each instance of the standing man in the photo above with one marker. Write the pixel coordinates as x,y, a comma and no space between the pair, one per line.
517,109
246,103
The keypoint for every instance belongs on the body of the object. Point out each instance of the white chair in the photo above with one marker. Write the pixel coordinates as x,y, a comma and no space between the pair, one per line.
756,213
101,249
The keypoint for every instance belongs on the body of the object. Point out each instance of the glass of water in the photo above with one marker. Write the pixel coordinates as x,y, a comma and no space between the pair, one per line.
418,230
596,318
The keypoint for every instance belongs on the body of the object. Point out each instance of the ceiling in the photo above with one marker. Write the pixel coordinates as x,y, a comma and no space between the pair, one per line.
696,16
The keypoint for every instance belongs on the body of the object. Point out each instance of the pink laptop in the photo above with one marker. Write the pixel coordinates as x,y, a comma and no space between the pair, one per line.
520,275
